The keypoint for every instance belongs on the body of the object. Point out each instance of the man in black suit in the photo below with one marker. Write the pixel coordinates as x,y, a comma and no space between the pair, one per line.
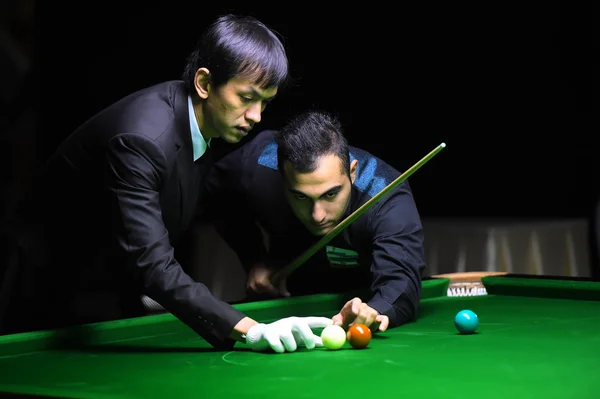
118,195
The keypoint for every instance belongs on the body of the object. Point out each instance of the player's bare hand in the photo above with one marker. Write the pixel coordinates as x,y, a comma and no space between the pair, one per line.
355,311
259,282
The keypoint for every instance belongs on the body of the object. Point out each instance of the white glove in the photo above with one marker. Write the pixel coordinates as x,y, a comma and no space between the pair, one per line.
287,334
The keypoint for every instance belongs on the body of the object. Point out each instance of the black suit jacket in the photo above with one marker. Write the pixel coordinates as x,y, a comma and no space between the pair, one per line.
115,199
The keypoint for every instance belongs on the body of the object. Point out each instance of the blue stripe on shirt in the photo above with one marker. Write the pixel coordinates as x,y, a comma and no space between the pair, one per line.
367,180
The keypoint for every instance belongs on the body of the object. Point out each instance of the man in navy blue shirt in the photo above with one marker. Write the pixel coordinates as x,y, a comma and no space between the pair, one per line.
294,186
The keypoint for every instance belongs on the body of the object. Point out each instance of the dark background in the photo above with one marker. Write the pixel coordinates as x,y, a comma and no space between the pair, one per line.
507,86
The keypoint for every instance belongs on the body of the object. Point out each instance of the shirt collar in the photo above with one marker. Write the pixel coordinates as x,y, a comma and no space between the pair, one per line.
199,145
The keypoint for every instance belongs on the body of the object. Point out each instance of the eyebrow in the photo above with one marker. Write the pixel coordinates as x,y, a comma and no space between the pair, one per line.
255,93
332,190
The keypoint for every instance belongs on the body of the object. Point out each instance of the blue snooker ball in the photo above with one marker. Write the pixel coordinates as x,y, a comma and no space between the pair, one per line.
466,321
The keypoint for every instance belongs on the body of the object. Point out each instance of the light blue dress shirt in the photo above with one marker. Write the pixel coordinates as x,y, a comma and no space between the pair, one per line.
199,145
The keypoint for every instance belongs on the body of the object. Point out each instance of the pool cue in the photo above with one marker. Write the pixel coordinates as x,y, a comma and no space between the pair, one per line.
287,270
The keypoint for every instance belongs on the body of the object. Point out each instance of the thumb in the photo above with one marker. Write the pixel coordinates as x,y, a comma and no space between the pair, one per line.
282,288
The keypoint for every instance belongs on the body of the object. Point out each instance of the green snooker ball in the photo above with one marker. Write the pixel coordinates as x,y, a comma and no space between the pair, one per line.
466,321
334,337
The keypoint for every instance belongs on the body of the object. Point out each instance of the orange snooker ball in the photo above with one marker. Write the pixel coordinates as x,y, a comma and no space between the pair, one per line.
359,336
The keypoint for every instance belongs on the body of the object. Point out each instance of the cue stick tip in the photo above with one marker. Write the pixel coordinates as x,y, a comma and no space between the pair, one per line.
443,145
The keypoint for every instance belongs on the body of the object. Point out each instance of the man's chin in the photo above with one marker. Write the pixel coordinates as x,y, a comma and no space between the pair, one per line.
232,139
320,232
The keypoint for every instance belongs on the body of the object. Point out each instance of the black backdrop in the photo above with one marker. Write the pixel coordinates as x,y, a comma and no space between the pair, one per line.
508,87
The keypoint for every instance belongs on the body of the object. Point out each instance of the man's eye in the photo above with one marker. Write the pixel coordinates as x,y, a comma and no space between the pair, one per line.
331,195
246,99
300,197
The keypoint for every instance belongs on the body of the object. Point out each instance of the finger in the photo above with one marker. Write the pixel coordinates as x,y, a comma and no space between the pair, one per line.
317,322
306,333
250,285
338,319
270,289
262,282
355,305
383,321
347,308
370,316
259,294
253,286
348,320
265,287
374,326
349,311
288,341
358,320
318,342
361,316
274,341
366,315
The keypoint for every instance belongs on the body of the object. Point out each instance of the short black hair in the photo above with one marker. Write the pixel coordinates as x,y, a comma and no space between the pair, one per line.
239,46
309,136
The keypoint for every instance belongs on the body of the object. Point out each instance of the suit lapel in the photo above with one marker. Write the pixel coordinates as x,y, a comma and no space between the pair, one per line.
189,173
176,203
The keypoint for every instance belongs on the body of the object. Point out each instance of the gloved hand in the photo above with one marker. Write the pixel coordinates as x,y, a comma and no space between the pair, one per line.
287,334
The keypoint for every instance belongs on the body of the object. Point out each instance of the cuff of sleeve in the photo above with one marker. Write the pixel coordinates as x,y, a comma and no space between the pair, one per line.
382,307
402,311
227,322
216,332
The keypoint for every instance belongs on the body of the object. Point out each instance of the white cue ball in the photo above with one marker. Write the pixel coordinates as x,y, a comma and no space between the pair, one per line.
334,337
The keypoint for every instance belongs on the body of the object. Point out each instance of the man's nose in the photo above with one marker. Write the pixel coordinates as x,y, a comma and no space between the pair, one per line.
318,213
254,113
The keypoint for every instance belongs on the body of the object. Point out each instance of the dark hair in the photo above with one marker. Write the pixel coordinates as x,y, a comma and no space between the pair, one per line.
309,136
239,46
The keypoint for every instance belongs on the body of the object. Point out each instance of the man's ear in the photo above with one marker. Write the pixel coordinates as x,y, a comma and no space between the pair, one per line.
353,169
202,82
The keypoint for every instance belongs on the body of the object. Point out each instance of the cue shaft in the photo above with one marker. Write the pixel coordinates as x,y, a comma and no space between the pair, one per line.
287,270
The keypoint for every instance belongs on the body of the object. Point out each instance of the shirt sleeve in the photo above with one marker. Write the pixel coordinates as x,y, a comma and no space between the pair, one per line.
398,256
135,169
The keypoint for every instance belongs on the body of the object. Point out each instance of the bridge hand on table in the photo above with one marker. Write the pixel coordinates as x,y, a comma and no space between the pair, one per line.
355,311
259,283
287,334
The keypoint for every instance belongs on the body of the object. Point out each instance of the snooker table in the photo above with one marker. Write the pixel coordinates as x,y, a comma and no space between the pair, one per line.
537,338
